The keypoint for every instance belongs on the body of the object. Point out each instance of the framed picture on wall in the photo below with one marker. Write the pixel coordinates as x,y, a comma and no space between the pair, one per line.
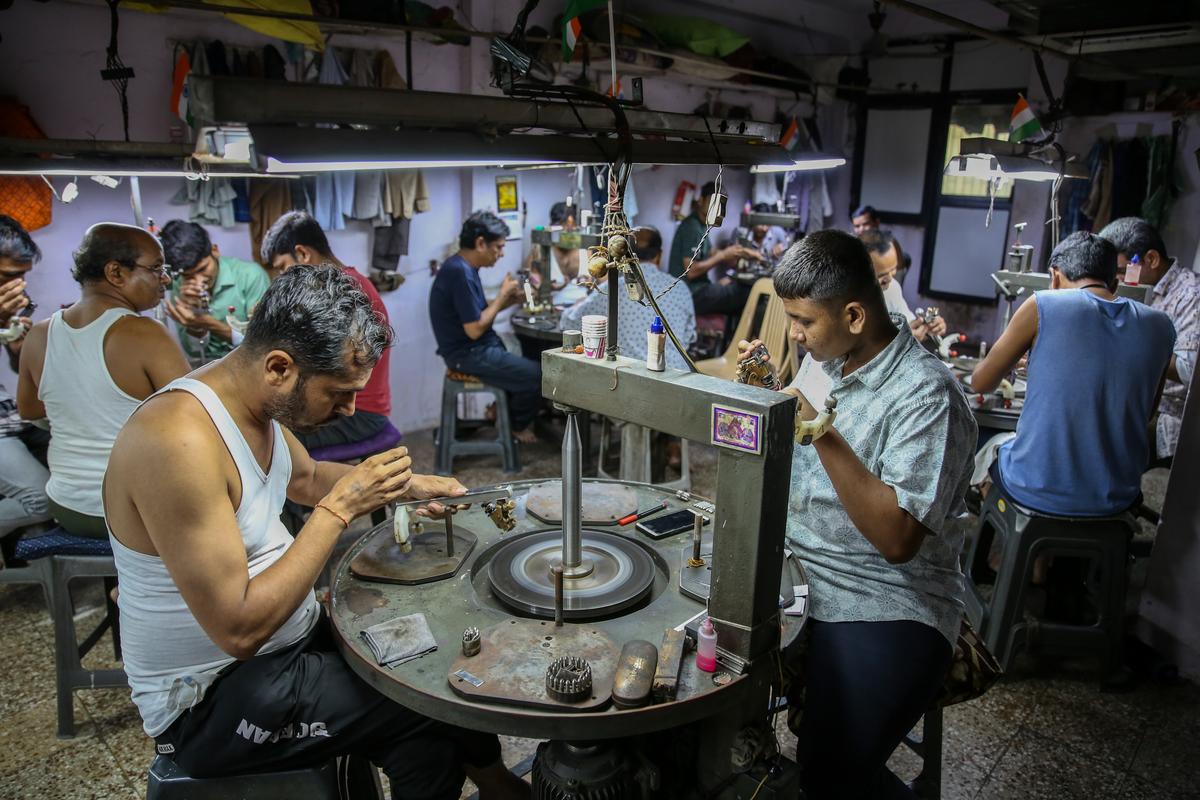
506,193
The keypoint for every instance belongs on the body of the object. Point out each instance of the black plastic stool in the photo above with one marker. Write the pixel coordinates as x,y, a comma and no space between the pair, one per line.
320,782
1025,535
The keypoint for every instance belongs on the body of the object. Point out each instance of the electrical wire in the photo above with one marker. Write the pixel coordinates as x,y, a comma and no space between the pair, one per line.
116,67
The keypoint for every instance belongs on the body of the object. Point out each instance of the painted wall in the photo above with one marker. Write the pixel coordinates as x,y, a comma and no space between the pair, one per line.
50,57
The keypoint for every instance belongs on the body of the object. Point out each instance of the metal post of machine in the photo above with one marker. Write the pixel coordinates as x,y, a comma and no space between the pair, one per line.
752,487
572,499
450,533
611,349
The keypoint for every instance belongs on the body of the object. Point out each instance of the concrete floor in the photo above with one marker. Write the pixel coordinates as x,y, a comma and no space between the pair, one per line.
1044,732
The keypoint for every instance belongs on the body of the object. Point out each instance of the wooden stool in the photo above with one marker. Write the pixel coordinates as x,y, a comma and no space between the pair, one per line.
448,445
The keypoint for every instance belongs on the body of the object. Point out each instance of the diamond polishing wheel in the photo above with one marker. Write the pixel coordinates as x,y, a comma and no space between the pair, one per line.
621,575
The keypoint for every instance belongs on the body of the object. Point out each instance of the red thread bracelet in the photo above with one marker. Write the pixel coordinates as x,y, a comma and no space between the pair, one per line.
345,522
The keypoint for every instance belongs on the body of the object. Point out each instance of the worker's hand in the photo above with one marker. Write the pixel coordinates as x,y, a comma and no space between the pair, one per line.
919,329
186,316
778,250
12,300
805,410
381,479
745,348
423,487
511,292
748,252
193,291
938,326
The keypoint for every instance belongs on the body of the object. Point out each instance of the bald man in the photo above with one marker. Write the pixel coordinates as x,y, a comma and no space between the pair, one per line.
87,400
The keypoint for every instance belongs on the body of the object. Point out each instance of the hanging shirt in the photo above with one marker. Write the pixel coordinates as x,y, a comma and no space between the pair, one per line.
1094,369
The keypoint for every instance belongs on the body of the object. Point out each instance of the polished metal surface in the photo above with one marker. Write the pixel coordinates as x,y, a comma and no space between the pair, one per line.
521,575
572,467
450,606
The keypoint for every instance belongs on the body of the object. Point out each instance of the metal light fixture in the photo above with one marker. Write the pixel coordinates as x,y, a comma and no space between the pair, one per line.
280,148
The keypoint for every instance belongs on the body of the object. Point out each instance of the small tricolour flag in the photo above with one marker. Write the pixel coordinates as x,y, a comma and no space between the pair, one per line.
573,25
791,136
1024,123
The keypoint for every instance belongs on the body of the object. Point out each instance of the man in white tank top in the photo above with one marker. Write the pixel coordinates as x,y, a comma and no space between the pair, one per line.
86,368
231,661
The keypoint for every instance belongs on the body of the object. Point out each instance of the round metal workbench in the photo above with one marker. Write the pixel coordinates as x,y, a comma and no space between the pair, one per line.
464,600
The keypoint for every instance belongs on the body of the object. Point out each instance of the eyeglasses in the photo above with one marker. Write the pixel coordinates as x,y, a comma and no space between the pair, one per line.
158,270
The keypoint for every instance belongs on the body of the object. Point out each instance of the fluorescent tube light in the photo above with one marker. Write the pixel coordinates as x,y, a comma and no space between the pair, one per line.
813,162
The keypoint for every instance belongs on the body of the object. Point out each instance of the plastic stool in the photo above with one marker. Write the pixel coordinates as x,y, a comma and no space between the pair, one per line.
57,558
449,446
1025,535
320,782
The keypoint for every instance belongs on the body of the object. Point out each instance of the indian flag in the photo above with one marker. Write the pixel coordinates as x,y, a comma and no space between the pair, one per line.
791,136
573,26
1024,123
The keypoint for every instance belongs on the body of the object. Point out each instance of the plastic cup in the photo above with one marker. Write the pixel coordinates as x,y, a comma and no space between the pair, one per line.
593,345
571,340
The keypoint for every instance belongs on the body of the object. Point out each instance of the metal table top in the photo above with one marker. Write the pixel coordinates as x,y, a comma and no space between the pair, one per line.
542,326
452,605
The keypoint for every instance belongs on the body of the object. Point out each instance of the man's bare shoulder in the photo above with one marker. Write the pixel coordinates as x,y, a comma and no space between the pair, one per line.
135,329
167,427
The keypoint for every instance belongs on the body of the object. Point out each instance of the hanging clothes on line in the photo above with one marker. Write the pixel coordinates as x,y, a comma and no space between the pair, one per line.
333,200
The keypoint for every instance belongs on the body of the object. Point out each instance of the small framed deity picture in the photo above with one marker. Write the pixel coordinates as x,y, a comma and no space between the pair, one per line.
736,429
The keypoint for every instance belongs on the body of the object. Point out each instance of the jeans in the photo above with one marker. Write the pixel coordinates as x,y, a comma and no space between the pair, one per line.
23,486
867,684
520,377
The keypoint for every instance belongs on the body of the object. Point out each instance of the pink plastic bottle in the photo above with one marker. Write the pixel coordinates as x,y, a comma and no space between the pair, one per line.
706,648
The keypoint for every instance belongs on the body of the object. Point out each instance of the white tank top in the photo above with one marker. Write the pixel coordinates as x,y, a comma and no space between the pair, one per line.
85,407
169,659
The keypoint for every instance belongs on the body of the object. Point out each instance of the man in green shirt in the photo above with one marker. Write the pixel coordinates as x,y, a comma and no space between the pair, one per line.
725,296
208,288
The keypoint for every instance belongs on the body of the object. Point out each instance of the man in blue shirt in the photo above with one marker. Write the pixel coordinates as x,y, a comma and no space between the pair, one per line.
462,320
1097,363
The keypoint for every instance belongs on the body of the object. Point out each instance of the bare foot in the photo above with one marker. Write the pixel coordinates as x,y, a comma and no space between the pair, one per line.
489,413
526,436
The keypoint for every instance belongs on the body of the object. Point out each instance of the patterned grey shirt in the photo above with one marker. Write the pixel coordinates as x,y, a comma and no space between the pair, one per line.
907,420
1178,295
635,318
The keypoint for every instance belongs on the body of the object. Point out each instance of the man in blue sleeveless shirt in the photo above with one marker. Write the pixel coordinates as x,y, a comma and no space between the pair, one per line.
1096,368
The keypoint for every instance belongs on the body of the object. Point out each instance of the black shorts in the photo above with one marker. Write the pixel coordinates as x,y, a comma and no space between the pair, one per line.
303,705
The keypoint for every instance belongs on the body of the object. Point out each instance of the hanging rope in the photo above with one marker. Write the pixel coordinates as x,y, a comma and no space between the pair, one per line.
115,70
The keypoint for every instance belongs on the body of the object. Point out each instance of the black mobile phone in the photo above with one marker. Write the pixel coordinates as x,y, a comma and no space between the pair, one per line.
668,525
29,308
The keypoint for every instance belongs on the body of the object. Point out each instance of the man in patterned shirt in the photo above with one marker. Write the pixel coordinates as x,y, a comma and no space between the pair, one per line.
1176,293
874,515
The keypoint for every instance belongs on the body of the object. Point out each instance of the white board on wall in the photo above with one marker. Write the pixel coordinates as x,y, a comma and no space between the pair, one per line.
966,252
893,177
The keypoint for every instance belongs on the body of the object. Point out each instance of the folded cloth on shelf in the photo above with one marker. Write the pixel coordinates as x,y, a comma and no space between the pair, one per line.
400,640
